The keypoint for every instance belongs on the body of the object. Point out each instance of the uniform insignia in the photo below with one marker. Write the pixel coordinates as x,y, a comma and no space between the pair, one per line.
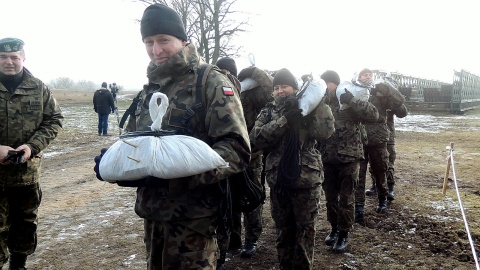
228,91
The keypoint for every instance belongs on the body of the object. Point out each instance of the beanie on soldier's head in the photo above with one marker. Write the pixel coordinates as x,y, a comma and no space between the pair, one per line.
160,19
229,64
331,76
104,84
285,77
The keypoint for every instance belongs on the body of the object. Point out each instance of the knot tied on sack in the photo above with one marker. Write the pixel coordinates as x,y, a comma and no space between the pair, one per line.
157,111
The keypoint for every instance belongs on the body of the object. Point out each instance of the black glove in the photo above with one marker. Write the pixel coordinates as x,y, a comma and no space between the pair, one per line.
97,163
291,102
293,116
245,73
346,97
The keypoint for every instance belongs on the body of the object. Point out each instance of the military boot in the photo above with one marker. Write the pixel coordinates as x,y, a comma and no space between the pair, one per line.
342,242
248,249
221,260
391,194
382,204
372,191
331,237
359,215
17,261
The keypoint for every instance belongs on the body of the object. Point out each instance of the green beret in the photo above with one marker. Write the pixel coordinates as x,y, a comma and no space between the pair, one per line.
11,45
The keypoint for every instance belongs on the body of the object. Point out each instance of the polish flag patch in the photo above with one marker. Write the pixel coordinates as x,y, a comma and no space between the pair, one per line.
228,91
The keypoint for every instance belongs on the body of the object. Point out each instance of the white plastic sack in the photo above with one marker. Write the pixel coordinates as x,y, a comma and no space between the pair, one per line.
312,96
359,92
165,157
247,84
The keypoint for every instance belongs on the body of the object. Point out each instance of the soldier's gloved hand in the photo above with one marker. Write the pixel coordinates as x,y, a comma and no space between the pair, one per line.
97,160
382,88
246,73
294,116
346,97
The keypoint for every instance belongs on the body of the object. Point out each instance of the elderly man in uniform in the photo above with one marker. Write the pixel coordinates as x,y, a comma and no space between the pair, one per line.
30,119
181,215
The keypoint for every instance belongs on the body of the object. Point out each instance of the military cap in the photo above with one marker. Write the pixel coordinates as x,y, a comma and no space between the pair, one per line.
11,45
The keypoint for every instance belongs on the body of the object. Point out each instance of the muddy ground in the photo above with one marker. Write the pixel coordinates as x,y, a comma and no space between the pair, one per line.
87,224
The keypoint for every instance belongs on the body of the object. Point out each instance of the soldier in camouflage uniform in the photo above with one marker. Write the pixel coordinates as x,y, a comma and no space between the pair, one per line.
341,155
30,119
295,182
392,154
180,215
384,97
253,101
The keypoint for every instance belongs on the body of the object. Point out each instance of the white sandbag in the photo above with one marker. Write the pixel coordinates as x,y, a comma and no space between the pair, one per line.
165,157
357,91
311,97
247,84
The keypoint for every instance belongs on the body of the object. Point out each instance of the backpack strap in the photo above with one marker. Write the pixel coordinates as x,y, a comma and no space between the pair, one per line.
130,111
199,106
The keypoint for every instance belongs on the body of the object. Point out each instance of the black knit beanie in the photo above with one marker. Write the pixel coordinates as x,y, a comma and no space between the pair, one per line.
229,64
284,76
331,76
104,84
160,19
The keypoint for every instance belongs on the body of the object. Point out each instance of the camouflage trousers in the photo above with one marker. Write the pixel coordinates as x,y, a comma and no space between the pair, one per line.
252,222
18,220
377,157
174,245
392,155
295,224
339,186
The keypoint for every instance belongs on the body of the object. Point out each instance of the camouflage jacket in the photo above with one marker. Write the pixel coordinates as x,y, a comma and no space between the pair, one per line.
400,112
269,134
222,127
255,99
385,98
31,116
346,144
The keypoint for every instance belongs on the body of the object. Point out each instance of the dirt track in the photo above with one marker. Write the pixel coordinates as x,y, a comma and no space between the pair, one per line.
87,224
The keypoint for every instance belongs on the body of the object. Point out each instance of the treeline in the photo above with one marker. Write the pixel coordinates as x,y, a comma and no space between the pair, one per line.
69,84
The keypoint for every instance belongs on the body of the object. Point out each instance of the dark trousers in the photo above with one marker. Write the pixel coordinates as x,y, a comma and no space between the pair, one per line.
103,123
18,220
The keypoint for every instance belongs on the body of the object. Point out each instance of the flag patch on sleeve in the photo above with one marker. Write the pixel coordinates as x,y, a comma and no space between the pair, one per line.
227,91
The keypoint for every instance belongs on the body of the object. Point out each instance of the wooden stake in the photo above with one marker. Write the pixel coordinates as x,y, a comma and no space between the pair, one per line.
132,158
129,143
449,164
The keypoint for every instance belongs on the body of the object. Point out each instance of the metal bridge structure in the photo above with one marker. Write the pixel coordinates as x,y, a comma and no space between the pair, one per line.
431,95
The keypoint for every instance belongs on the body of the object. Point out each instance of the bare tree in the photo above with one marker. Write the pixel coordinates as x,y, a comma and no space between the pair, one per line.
62,83
210,24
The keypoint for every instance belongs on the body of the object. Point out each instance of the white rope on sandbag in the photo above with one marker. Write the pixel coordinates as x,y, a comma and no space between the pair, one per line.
157,111
462,210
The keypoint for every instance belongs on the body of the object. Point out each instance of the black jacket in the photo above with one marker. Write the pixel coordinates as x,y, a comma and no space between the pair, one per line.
103,101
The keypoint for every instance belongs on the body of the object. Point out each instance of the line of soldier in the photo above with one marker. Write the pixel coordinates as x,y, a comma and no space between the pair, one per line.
302,154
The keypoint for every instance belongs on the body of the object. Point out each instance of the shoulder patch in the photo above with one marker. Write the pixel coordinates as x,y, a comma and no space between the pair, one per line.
227,91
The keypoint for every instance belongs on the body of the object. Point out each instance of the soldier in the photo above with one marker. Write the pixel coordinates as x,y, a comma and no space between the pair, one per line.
103,105
293,168
341,155
30,118
385,97
114,91
392,154
180,215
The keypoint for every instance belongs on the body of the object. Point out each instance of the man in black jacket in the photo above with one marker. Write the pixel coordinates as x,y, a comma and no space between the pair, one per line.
103,104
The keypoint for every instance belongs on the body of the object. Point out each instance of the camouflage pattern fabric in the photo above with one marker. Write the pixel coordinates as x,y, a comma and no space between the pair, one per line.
339,187
384,98
255,99
19,234
172,246
295,238
400,112
31,116
191,201
341,154
298,217
377,156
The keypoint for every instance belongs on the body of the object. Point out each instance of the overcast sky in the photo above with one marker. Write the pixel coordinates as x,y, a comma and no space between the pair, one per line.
99,40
